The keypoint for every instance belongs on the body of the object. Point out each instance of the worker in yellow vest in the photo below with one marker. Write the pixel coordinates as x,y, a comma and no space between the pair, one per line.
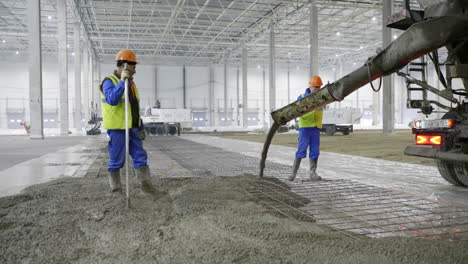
309,134
113,114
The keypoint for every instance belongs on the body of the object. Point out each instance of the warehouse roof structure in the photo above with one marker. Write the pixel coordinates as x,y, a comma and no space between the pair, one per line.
204,31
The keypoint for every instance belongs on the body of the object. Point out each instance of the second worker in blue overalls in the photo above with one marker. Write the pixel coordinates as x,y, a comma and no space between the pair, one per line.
309,134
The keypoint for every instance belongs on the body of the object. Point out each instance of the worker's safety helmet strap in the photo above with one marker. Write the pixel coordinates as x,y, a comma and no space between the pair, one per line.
126,56
316,81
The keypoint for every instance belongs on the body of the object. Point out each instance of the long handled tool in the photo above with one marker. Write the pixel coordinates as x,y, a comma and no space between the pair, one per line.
127,140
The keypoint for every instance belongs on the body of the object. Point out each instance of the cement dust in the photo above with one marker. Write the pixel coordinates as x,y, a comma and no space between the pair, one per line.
189,220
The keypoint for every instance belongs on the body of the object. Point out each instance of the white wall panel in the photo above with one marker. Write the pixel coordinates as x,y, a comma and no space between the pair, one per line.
170,81
197,82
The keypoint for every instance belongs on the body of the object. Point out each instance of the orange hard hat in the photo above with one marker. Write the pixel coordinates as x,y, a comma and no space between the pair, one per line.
126,55
316,81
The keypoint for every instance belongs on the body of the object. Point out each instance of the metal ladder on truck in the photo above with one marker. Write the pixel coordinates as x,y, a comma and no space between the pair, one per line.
423,104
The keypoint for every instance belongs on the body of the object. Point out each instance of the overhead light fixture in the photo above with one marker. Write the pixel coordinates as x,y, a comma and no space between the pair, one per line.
374,18
308,46
259,67
68,45
338,33
334,69
49,17
354,63
336,55
17,52
3,41
73,53
395,36
298,68
361,47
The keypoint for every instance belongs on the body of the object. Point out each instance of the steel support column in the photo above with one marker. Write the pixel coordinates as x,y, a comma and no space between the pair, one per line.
245,108
340,76
289,85
96,84
314,67
91,80
76,44
357,99
184,87
35,70
156,84
272,70
238,98
403,99
94,90
264,109
375,108
63,65
336,105
388,105
226,116
211,97
86,99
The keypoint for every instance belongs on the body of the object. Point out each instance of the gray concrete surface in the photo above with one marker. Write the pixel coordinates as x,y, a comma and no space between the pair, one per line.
17,149
25,162
416,180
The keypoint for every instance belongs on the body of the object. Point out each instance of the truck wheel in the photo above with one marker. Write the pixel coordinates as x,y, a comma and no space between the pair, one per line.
172,130
153,131
346,132
330,131
160,131
461,171
447,171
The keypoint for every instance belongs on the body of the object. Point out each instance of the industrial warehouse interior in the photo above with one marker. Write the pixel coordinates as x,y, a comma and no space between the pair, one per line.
240,131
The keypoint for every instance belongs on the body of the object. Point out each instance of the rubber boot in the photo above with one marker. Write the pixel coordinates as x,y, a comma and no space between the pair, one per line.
114,181
144,177
295,168
312,170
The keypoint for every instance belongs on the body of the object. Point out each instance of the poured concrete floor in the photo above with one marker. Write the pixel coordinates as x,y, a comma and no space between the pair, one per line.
209,207
418,180
369,196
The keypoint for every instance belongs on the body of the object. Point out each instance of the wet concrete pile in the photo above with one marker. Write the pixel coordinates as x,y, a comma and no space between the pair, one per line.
189,220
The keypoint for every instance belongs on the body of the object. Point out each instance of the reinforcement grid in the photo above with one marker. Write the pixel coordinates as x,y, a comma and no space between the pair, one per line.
349,207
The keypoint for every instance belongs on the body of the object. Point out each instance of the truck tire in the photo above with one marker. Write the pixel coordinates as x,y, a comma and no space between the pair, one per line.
447,171
346,131
172,130
160,131
455,173
153,130
461,170
330,130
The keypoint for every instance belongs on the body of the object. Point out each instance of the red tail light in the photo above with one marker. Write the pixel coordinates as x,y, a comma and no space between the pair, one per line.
428,140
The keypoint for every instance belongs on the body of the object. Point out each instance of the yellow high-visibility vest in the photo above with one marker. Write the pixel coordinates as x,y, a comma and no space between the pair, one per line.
311,119
113,116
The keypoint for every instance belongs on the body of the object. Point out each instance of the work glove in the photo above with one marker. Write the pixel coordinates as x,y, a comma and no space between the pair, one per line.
143,134
126,74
